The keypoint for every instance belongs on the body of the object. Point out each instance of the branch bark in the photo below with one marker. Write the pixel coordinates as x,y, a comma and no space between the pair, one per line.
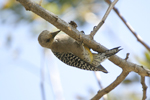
144,87
74,33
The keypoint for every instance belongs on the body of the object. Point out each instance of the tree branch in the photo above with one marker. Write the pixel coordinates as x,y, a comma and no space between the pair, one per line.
96,28
98,79
42,90
74,33
144,87
119,79
129,27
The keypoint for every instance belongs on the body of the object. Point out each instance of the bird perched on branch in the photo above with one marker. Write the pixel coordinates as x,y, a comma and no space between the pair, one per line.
73,53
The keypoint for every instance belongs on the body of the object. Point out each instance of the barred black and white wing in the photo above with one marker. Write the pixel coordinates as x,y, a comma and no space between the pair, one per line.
72,60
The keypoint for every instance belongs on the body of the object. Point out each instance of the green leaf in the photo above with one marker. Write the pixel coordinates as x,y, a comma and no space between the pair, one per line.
127,81
147,55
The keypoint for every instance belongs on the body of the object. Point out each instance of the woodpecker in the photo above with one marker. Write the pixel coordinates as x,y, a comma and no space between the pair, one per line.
73,53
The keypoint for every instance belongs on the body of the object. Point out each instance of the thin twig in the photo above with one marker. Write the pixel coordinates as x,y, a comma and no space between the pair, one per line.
129,27
42,76
127,56
99,82
96,28
119,79
98,79
42,90
144,87
54,78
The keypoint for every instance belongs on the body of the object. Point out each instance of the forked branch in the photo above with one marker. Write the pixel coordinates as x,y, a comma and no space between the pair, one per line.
96,28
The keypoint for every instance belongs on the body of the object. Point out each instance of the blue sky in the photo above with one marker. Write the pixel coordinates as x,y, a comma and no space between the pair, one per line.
20,65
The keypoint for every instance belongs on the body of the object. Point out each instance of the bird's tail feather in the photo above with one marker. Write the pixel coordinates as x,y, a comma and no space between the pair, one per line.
100,57
112,51
102,68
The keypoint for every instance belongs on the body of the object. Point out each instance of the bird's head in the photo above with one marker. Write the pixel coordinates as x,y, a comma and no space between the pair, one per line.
46,38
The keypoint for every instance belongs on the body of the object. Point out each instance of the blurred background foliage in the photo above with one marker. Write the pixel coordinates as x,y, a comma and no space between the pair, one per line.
13,14
146,60
85,9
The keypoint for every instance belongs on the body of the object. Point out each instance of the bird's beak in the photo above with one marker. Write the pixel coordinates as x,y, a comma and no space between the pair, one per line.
55,33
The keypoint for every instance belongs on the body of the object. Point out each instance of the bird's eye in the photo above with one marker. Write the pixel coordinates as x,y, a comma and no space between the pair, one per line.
47,40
